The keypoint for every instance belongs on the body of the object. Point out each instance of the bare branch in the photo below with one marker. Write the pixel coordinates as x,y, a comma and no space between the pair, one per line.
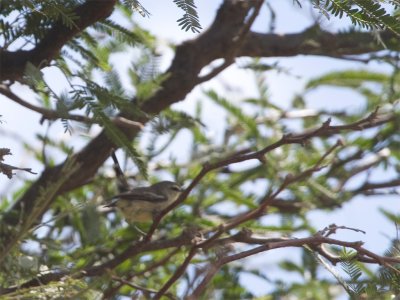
140,288
8,169
238,41
315,242
111,291
377,185
49,114
178,273
314,41
326,129
46,113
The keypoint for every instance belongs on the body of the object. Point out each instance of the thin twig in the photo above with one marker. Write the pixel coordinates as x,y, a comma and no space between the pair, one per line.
54,115
140,288
326,128
235,47
112,290
178,273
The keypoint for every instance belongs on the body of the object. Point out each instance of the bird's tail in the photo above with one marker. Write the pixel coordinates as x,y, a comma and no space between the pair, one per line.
122,183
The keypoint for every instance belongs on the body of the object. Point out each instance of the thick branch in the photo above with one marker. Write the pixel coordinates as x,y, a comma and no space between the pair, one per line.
12,64
184,71
193,55
377,185
314,41
314,242
190,58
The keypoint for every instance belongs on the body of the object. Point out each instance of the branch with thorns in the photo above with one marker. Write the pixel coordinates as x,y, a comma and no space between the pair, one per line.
8,169
214,238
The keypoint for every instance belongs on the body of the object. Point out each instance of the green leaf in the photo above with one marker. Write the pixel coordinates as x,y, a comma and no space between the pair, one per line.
190,19
349,78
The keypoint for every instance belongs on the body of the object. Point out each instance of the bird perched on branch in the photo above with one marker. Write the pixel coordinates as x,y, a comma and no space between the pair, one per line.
143,203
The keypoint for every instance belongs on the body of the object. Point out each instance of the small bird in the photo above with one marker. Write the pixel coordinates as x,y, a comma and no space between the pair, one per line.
143,203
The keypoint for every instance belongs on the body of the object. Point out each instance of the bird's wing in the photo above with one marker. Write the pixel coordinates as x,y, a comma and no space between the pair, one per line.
137,196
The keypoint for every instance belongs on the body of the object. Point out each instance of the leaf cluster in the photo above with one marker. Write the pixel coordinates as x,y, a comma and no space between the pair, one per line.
367,14
189,20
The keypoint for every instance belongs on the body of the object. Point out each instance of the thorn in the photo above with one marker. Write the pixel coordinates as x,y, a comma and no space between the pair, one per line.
341,142
327,123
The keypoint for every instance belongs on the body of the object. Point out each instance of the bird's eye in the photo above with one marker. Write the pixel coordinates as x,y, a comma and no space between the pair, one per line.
176,188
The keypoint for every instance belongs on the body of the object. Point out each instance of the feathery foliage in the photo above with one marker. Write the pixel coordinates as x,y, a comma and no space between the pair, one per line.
288,161
368,14
190,19
137,6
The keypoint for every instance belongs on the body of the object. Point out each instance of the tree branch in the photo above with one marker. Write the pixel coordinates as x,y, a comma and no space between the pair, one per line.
112,290
49,114
315,242
184,71
12,64
183,78
178,273
377,185
8,169
315,41
46,113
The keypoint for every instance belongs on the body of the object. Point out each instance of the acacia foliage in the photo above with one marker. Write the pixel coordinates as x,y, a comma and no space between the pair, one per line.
253,185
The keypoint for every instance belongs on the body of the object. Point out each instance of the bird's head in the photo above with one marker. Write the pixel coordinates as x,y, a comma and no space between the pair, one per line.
170,189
